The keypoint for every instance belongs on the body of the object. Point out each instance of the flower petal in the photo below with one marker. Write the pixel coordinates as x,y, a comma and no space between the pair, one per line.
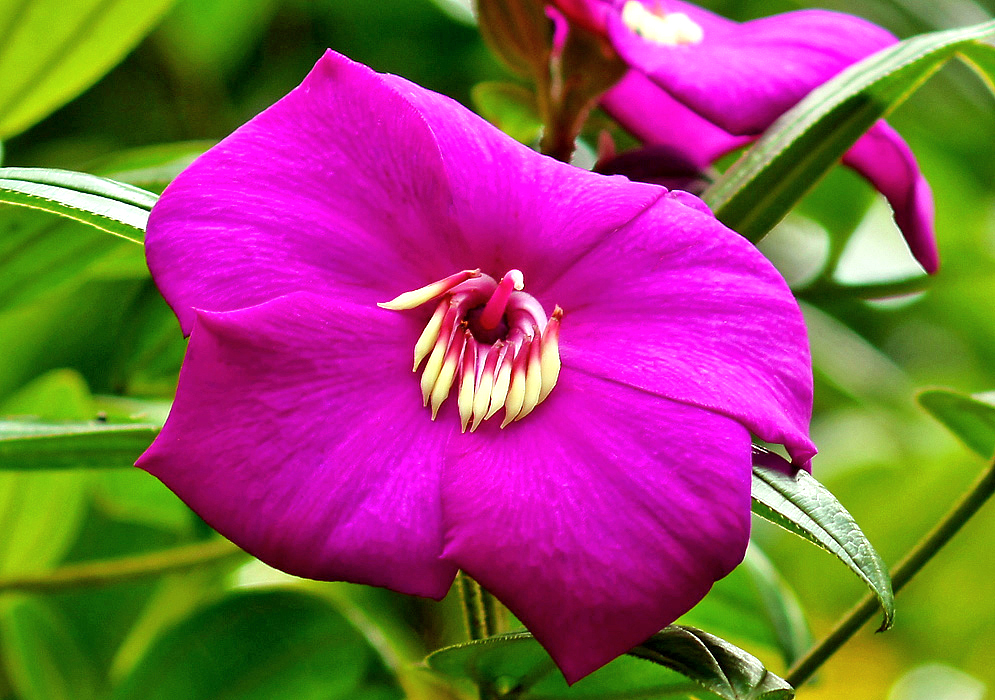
337,185
601,517
656,118
316,194
298,433
686,309
743,77
888,163
518,209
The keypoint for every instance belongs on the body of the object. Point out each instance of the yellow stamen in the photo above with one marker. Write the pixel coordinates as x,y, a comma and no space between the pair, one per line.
499,394
516,392
426,341
465,397
550,356
434,365
440,392
533,378
482,395
417,297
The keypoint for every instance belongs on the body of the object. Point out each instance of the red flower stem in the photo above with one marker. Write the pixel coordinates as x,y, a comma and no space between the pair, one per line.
902,573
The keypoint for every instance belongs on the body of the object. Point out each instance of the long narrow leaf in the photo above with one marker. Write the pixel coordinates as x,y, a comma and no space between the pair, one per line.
758,190
981,57
52,50
41,446
971,418
684,660
802,505
108,205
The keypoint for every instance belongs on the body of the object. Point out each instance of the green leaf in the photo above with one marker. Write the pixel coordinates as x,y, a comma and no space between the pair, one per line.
684,661
516,663
761,187
971,418
981,57
77,326
260,645
52,50
754,605
41,253
510,107
29,445
802,505
105,204
42,658
722,668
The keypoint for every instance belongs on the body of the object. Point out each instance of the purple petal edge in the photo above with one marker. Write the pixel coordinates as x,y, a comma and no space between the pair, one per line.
887,162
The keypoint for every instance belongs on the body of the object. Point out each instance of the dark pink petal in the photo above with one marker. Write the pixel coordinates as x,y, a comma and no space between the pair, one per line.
317,193
680,306
888,163
338,186
515,208
659,165
601,517
772,460
742,77
298,433
656,118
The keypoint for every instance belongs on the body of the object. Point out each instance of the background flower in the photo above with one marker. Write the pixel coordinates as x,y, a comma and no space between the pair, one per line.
704,98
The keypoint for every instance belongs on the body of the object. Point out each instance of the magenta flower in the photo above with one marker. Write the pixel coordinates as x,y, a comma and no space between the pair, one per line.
702,85
590,466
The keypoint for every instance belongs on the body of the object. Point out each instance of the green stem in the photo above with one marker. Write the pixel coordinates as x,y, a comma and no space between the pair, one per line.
473,608
904,571
493,613
827,288
112,571
480,615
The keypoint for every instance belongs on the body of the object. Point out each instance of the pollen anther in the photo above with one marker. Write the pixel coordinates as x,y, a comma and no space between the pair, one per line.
417,297
670,29
490,341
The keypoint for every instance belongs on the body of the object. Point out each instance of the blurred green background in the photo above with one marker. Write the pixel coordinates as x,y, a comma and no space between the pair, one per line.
80,320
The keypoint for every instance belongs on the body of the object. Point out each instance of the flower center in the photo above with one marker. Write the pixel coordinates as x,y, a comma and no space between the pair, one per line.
666,29
488,339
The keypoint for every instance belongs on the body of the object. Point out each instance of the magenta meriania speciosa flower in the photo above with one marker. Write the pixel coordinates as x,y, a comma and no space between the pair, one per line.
700,86
592,357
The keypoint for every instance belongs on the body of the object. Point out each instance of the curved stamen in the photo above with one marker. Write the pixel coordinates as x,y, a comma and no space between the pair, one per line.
428,337
434,366
550,356
440,392
490,340
516,392
525,313
417,297
482,397
502,382
494,309
533,376
468,378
